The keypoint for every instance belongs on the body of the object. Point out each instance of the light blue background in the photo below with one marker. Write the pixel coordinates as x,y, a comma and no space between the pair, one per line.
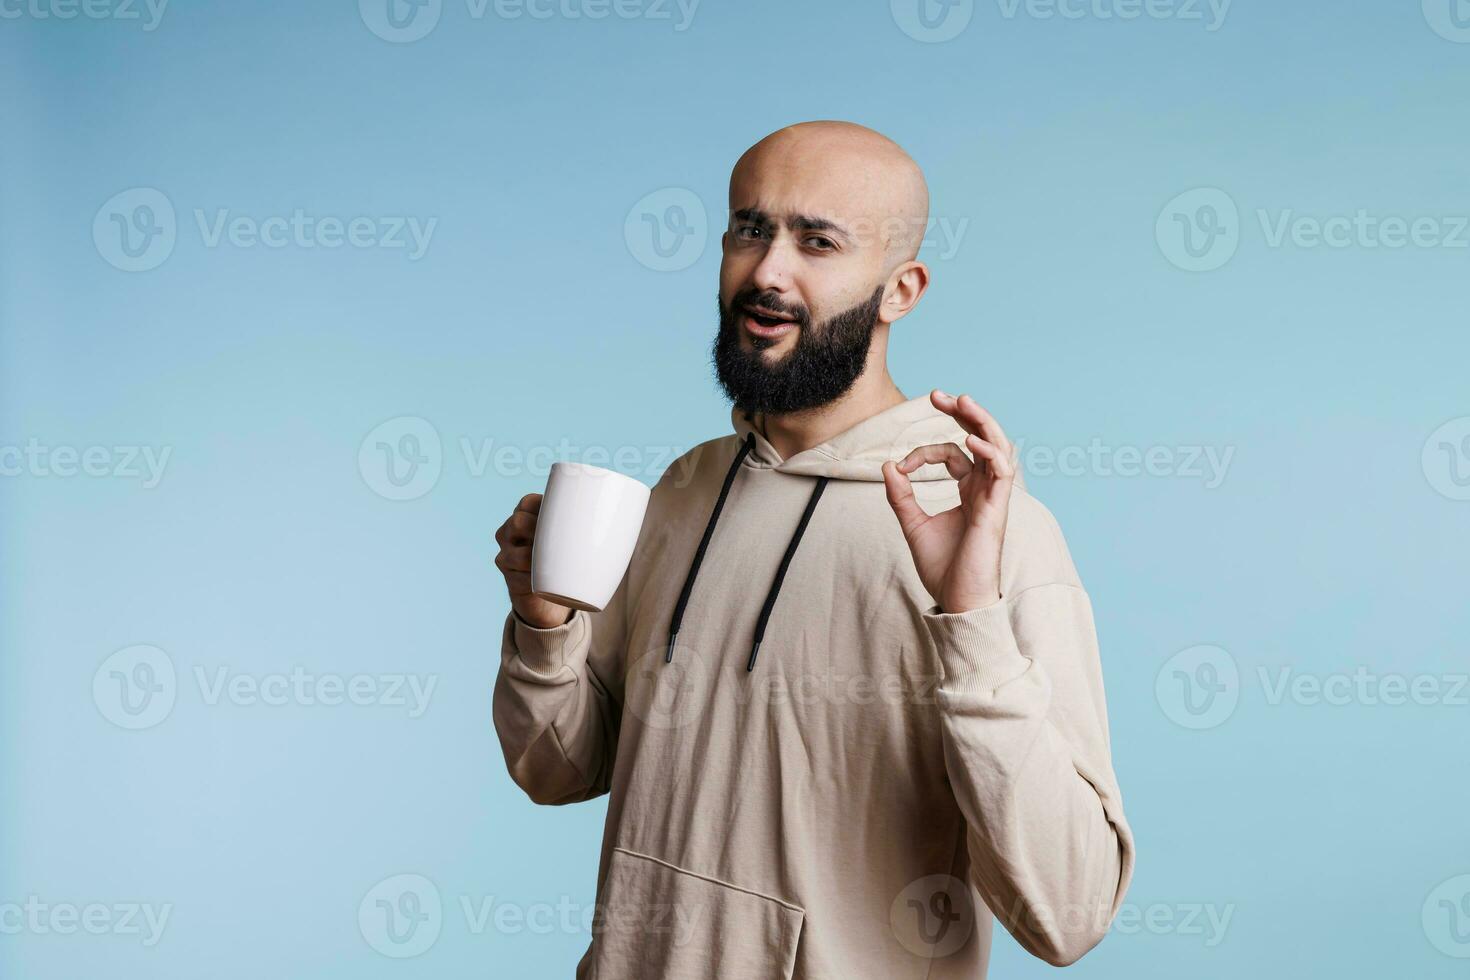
1320,829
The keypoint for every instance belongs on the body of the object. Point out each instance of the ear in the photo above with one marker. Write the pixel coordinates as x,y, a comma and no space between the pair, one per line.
906,285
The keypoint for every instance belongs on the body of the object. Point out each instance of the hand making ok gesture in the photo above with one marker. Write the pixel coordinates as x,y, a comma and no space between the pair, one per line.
957,551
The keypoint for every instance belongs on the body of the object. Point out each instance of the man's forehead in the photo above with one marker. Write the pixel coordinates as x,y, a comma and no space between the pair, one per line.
790,190
806,204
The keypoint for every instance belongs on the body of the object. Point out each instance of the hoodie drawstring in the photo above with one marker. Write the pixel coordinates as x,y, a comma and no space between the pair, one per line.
709,531
806,515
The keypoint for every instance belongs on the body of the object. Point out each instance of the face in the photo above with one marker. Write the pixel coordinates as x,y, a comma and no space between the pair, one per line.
801,288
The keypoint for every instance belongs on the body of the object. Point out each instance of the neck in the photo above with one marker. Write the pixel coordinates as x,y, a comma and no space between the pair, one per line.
794,432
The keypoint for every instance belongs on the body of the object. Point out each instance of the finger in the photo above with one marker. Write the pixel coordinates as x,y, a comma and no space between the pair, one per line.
990,430
514,559
901,496
517,582
971,416
507,533
948,453
519,528
998,461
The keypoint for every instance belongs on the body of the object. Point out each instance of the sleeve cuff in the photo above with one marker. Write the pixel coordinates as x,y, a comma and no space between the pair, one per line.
544,650
977,650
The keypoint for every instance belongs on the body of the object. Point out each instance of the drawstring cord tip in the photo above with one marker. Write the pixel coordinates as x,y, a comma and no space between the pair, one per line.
669,656
754,649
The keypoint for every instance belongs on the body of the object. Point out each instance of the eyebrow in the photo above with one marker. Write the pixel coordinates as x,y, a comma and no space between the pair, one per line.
798,222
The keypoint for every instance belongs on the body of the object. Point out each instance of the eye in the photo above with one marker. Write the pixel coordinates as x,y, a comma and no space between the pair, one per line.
820,242
748,233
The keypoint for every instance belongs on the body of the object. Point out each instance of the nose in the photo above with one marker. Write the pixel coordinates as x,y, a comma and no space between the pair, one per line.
775,269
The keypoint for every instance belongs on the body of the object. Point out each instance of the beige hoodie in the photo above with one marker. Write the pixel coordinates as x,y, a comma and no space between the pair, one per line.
881,781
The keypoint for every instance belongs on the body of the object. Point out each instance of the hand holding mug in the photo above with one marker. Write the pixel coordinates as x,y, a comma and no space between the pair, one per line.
569,548
516,537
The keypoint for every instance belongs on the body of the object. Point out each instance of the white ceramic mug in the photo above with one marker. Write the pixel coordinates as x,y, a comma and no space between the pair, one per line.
585,533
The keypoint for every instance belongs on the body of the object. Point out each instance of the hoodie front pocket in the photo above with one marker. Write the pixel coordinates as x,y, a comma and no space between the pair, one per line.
658,922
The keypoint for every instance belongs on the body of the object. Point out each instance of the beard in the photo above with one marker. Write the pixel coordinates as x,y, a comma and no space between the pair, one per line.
819,369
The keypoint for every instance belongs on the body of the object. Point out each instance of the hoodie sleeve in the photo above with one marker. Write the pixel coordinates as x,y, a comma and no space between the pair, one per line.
554,710
1026,745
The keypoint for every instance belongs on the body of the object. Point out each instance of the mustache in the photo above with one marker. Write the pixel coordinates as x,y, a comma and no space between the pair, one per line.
771,301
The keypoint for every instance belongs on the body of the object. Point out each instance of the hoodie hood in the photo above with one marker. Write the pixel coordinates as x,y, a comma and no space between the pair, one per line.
856,454
859,453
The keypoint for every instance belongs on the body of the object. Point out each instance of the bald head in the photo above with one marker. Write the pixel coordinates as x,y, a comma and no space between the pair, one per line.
843,173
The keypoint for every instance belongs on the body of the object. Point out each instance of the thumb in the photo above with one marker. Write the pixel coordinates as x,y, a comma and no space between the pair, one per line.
901,497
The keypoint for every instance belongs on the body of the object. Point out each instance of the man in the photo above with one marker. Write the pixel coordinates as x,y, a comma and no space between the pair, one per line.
839,734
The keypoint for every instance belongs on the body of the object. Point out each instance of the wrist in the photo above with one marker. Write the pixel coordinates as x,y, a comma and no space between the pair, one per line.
969,603
537,624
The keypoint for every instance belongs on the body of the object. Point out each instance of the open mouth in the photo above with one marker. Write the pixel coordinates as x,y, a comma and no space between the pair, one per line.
763,323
